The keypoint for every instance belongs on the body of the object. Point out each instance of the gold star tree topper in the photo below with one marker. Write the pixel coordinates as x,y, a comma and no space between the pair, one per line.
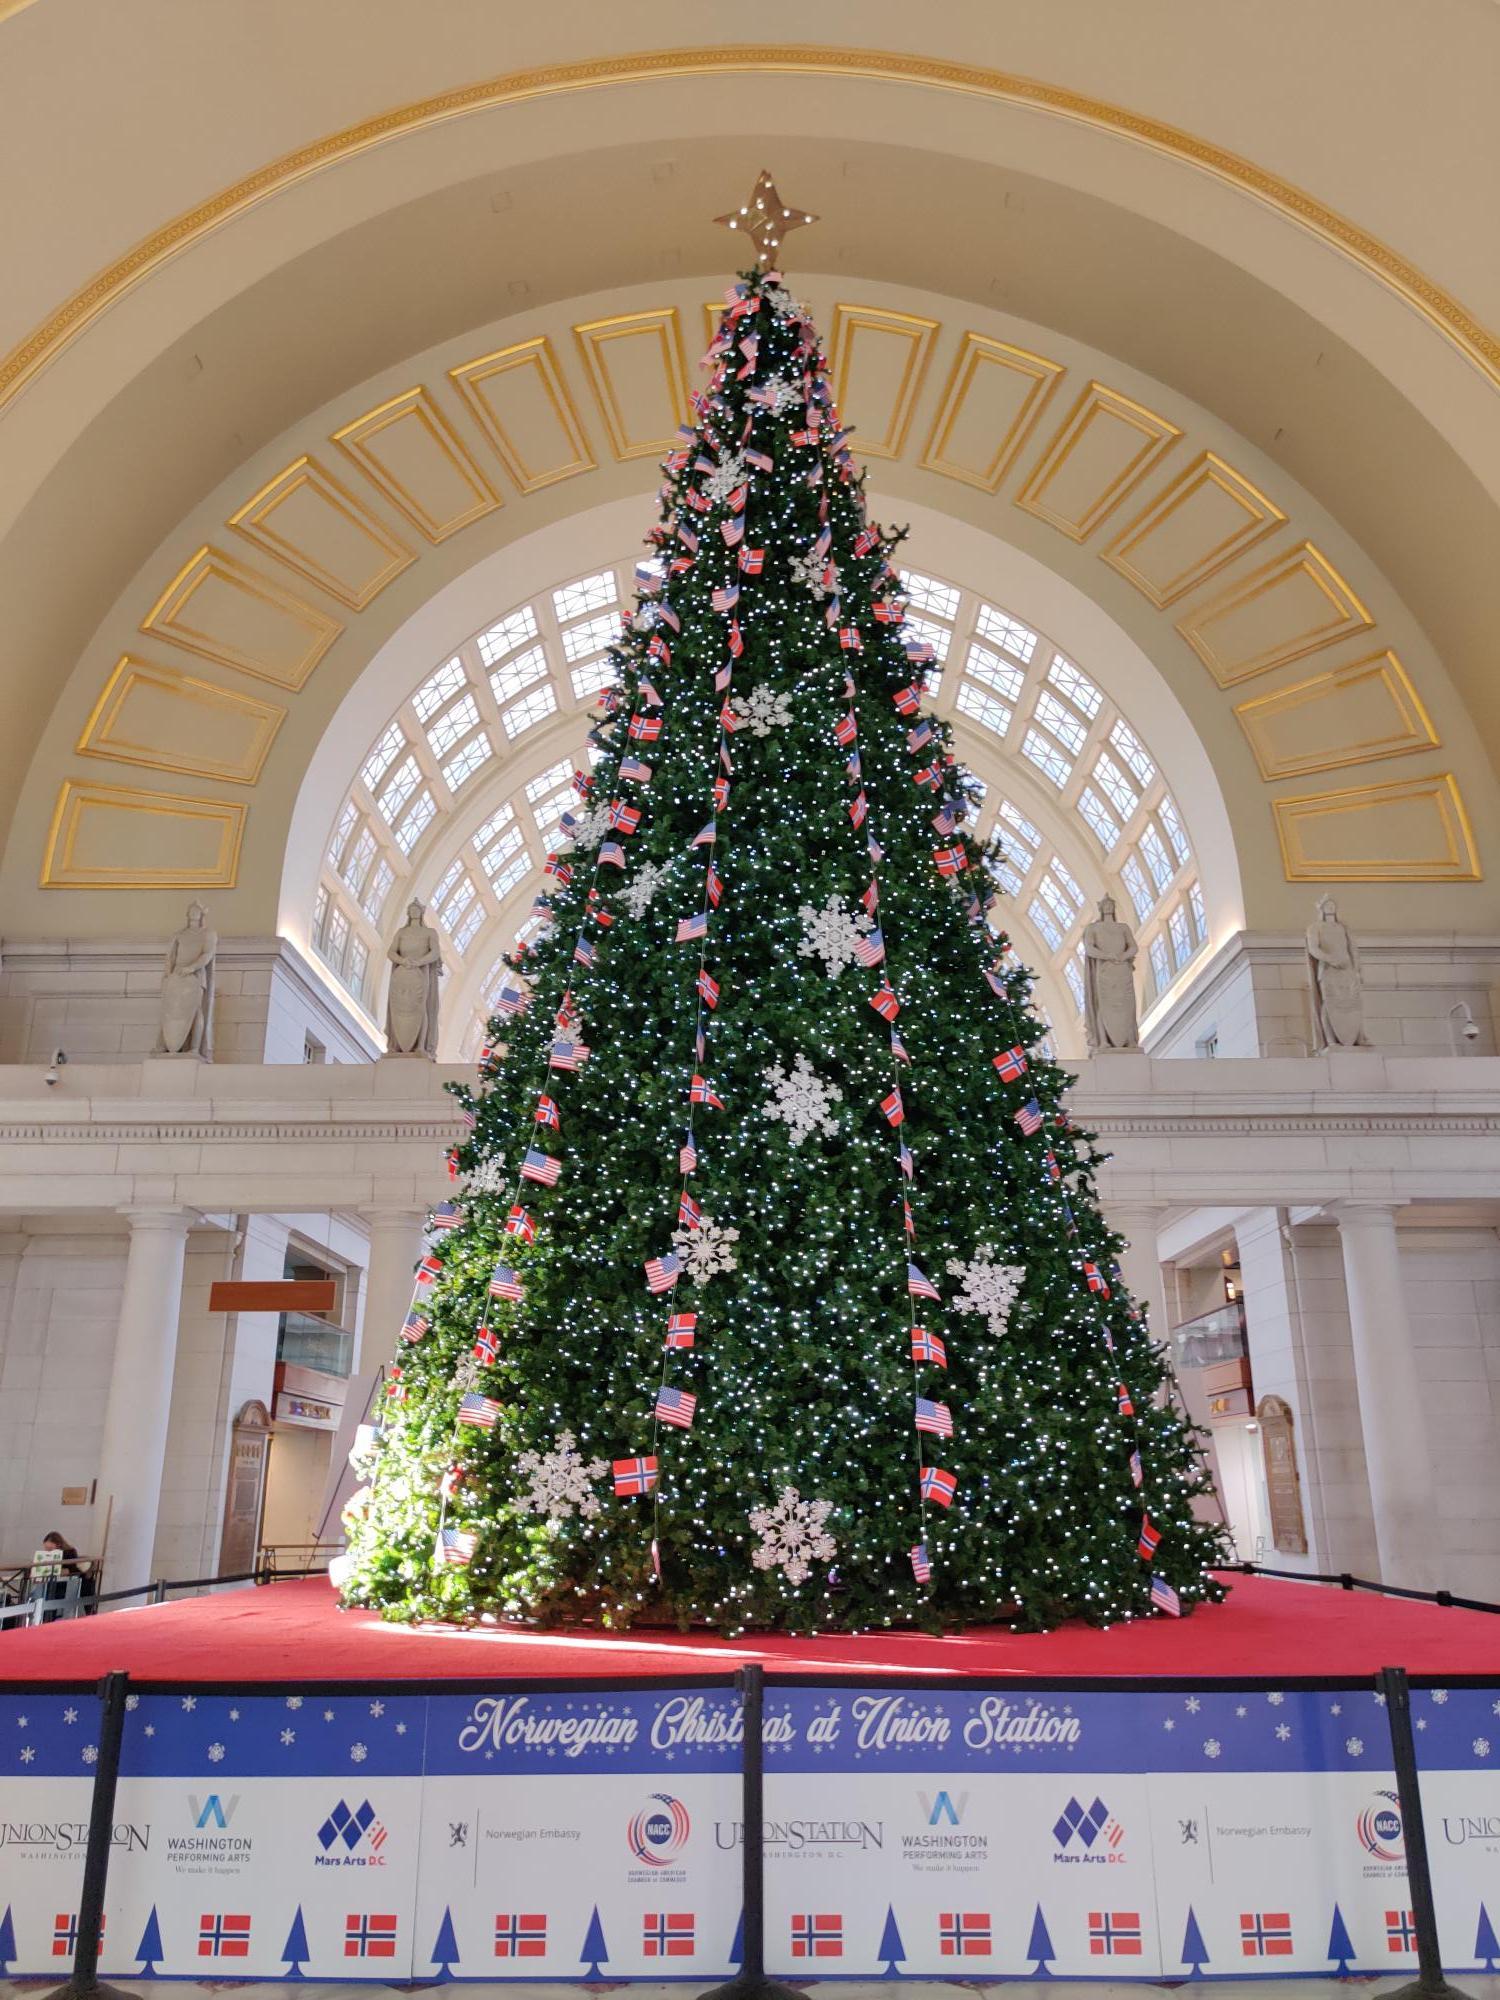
765,219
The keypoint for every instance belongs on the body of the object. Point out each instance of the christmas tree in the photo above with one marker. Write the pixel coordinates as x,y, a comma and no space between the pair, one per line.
778,1292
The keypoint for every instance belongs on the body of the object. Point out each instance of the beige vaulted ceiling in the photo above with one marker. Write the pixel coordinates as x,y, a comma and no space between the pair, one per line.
1178,314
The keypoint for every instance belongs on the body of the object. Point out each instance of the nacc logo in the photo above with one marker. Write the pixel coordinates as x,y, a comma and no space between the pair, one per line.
655,1835
1379,1828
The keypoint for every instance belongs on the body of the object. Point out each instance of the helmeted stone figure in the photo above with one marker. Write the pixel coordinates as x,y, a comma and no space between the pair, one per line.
411,1001
1337,981
185,1025
1109,1015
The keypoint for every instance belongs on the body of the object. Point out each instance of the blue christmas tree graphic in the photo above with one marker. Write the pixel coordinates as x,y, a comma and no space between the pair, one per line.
737,1949
445,1951
8,1941
149,1951
1040,1946
1194,1952
295,1950
1340,1944
892,1950
594,1953
1486,1944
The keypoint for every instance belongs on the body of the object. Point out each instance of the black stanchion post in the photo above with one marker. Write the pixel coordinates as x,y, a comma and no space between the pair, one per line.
750,1982
1429,1983
84,1982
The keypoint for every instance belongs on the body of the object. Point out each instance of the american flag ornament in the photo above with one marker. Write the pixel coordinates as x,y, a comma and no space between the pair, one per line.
1150,1536
908,1165
681,1329
1029,1117
1136,1473
634,1475
506,1284
920,1286
676,1407
633,769
936,1419
567,1055
928,1347
687,1156
917,739
611,855
540,1167
447,1215
663,1272
1011,1063
726,597
481,1412
921,1565
456,1546
1165,1598
467,1117
869,948
414,1326
938,1486
691,929
583,951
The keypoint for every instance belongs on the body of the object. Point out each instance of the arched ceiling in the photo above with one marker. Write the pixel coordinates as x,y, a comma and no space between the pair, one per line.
1249,279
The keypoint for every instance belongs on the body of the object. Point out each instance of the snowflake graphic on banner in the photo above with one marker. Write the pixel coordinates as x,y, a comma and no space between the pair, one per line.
762,710
561,1480
792,1535
801,1099
489,1177
643,885
813,573
705,1251
988,1288
832,933
723,480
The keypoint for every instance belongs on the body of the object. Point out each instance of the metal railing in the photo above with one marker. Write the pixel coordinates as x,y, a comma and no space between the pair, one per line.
309,1342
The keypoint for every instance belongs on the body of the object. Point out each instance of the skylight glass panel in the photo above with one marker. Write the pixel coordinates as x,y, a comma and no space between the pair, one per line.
1097,816
445,888
1161,968
458,902
493,857
342,832
549,780
320,913
1195,904
988,667
985,710
469,929
1116,787
417,821
925,593
1155,856
1133,751
338,937
1046,923
385,753
512,631
1009,634
1074,976
1069,884
937,636
1019,826
456,723
1142,895
1055,900
496,823
588,594
593,676
404,781
461,768
539,703
357,865
589,636
1078,688
506,879
1171,824
1004,872
1062,722
550,811
359,967
439,689
1181,935
508,681
376,891
1044,753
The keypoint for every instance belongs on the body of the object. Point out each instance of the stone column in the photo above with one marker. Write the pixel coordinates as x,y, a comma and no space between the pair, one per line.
1390,1396
140,1393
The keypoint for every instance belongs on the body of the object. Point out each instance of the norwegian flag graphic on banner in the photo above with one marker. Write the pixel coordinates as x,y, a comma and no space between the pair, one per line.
1115,1933
819,1936
1400,1930
370,1937
964,1934
1266,1934
65,1934
523,1936
223,1936
671,1936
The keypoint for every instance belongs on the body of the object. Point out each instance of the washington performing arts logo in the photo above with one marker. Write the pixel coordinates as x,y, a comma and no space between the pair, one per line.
351,1838
1380,1832
945,1846
659,1832
1088,1834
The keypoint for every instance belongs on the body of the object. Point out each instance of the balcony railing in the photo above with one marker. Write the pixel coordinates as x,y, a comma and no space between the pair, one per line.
309,1342
1213,1336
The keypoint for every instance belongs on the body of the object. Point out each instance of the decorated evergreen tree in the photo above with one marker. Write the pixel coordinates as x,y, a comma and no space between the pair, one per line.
778,1292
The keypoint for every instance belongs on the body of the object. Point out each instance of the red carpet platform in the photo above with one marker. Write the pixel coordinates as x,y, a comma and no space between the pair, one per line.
295,1631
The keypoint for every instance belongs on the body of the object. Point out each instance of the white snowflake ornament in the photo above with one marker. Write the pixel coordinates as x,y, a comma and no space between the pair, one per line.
723,480
988,1288
762,710
561,1480
643,885
489,1177
802,1100
781,395
816,576
793,1535
589,828
706,1250
832,934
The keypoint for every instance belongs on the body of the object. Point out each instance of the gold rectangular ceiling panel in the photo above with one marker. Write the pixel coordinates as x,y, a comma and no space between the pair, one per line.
413,454
1208,515
520,400
636,370
231,614
108,837
172,721
1414,831
312,522
994,397
1296,604
1366,710
878,361
1105,446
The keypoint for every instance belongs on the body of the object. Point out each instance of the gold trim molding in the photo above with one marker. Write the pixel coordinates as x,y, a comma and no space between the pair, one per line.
1476,342
107,731
61,870
1454,857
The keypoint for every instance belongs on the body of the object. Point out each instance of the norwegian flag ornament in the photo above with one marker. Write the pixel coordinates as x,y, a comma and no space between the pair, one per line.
634,1475
938,1486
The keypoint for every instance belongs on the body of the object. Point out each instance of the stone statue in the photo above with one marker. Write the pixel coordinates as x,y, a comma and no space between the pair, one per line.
1109,1018
1336,980
411,1001
186,1021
